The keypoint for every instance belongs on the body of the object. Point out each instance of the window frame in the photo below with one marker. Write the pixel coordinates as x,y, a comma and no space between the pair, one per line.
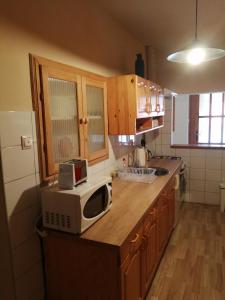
194,120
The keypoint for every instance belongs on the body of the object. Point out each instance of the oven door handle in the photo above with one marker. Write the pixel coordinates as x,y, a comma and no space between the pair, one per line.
177,182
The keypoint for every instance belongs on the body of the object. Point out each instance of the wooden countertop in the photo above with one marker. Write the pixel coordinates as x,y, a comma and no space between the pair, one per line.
130,201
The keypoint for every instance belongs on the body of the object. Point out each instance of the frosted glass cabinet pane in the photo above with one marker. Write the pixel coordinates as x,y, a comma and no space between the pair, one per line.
63,110
204,100
217,99
96,124
203,134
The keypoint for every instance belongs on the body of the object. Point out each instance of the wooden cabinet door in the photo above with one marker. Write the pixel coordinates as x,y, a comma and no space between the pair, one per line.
61,100
162,225
151,251
95,121
149,258
143,98
131,279
161,101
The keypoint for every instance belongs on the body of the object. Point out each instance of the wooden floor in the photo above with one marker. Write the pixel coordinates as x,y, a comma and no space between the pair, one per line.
193,266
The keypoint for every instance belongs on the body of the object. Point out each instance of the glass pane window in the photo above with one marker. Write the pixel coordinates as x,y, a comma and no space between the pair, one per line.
95,111
204,104
215,136
224,130
203,130
63,110
217,100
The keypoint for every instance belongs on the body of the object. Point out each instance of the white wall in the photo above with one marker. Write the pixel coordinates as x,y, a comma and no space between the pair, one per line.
180,135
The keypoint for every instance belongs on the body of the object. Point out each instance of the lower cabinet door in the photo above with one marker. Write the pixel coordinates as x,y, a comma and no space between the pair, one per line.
131,279
149,258
163,229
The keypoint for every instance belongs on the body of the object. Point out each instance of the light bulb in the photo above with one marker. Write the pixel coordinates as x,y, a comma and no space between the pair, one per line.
196,56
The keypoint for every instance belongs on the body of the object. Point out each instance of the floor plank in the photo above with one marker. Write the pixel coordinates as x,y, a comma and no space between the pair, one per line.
193,266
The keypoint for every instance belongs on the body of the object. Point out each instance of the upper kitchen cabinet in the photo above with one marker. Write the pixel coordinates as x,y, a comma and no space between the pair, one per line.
71,111
135,105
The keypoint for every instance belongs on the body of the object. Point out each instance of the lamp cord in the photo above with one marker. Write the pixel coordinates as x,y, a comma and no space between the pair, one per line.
196,19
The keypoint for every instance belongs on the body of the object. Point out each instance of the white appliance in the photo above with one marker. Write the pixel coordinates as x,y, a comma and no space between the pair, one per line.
72,173
140,157
75,210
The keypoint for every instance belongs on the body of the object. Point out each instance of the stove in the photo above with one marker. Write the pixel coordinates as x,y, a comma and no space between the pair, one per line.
167,157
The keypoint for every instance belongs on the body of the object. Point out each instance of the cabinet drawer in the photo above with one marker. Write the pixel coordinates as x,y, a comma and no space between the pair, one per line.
132,243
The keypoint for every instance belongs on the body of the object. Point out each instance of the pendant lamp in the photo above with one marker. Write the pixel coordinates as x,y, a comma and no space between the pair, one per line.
196,53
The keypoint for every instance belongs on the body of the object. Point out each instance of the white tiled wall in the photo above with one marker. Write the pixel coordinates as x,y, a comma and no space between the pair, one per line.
21,178
205,167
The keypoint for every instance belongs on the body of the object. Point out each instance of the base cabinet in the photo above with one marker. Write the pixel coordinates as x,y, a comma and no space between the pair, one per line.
88,270
131,278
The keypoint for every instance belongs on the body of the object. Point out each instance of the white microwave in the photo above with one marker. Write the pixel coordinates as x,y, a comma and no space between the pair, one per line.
77,209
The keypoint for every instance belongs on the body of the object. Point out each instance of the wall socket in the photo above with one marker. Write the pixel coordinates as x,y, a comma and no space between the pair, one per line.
26,142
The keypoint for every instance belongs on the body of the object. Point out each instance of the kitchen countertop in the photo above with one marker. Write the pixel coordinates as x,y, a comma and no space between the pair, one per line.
130,201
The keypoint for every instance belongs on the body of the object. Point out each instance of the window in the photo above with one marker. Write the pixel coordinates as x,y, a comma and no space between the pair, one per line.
207,118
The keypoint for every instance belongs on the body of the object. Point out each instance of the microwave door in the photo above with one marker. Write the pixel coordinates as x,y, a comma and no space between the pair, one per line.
97,203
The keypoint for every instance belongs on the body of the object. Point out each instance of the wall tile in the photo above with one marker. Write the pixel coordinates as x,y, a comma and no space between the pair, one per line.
214,153
213,163
197,197
166,128
21,225
168,105
187,196
183,152
197,174
14,124
26,255
158,139
197,185
223,163
167,150
158,149
17,163
166,139
20,194
167,117
30,283
214,175
212,186
198,153
197,162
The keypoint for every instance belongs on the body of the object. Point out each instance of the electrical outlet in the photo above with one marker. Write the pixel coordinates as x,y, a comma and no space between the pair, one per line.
26,142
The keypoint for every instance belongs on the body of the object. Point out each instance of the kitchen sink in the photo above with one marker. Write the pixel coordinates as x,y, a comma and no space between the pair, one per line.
160,171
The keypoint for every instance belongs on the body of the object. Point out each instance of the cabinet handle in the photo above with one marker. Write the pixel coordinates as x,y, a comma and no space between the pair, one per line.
136,238
144,242
85,121
81,121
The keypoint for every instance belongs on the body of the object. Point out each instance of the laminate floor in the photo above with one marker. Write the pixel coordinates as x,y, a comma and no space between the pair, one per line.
193,266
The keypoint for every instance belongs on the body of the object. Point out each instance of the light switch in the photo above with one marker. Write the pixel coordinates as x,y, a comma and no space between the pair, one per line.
26,142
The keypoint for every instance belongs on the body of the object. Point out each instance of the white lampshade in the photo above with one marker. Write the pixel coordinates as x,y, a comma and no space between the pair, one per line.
196,54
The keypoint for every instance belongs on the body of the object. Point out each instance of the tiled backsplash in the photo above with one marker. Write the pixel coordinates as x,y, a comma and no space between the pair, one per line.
205,167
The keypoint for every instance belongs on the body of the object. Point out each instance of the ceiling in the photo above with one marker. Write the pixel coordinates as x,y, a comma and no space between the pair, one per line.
168,25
